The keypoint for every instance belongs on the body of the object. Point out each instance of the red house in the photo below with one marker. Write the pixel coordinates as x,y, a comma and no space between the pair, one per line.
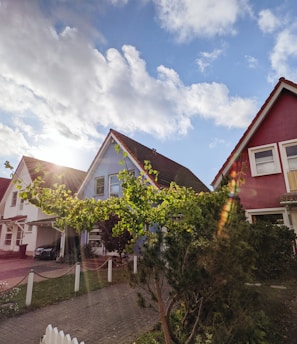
266,157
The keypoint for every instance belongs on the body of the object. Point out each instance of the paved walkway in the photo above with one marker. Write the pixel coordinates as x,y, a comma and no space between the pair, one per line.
106,316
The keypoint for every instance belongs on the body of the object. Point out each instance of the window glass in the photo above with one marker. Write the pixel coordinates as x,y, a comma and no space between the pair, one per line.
14,199
21,204
114,186
291,152
276,219
264,161
99,186
8,237
19,237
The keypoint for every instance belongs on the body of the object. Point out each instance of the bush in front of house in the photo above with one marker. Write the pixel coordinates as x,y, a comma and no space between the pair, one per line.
274,250
8,306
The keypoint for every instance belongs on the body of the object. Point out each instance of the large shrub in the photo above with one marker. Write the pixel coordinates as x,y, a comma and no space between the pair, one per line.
274,250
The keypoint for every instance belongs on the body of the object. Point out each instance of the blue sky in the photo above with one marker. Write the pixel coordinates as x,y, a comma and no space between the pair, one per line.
185,77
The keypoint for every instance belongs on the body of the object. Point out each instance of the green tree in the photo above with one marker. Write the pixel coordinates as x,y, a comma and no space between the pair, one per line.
195,253
113,242
195,261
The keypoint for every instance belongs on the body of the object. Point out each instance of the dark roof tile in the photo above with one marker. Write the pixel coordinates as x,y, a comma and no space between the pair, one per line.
71,177
169,170
4,182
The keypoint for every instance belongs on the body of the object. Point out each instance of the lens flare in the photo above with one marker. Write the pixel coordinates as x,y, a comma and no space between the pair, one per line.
233,191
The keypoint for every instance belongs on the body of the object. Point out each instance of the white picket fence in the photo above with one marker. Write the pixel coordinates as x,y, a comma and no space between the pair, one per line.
54,336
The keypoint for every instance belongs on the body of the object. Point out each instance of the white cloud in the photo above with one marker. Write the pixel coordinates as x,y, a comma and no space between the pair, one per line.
188,19
69,89
206,58
251,61
12,141
119,2
267,21
283,56
223,109
215,142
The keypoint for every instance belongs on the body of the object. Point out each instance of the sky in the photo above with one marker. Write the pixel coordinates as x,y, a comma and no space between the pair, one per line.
185,77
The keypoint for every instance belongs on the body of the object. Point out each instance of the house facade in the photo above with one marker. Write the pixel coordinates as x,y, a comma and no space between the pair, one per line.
266,158
21,222
102,182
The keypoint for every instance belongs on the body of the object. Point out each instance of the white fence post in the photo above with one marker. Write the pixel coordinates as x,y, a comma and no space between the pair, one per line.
29,288
109,275
135,264
54,336
77,277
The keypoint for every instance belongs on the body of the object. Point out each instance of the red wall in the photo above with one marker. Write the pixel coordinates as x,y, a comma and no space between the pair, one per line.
279,125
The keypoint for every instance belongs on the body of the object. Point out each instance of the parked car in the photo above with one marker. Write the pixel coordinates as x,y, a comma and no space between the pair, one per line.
51,251
48,251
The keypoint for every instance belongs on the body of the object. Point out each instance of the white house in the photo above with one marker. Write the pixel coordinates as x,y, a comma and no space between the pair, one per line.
24,224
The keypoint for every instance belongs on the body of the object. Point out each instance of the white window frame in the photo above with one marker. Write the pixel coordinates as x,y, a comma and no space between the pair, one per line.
253,150
96,186
111,194
8,237
268,211
286,169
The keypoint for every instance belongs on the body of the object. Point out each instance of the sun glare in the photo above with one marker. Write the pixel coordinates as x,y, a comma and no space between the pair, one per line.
59,154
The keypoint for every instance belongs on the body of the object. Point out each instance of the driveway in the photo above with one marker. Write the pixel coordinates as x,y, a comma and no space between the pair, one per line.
14,270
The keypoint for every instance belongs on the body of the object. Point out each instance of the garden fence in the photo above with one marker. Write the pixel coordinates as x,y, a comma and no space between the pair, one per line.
54,336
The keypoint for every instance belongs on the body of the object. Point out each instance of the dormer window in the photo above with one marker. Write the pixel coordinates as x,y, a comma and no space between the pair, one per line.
264,160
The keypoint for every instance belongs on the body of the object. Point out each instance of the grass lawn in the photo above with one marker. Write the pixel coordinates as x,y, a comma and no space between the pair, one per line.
54,290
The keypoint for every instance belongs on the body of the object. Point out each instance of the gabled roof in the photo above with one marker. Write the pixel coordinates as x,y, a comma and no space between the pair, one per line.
256,122
71,177
4,182
168,170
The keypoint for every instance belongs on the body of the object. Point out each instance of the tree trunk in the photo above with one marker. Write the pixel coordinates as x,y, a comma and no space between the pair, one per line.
163,319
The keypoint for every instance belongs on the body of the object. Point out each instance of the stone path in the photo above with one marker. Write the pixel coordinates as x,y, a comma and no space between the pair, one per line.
106,316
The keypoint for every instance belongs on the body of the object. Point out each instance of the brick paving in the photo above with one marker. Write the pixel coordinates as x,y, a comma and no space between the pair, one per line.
106,316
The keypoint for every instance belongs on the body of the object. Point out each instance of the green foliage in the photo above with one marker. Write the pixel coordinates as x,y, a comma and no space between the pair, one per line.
114,241
87,251
274,247
154,337
198,252
8,306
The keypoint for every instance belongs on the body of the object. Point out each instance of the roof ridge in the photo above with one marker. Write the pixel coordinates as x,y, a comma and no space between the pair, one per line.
52,163
152,149
169,170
